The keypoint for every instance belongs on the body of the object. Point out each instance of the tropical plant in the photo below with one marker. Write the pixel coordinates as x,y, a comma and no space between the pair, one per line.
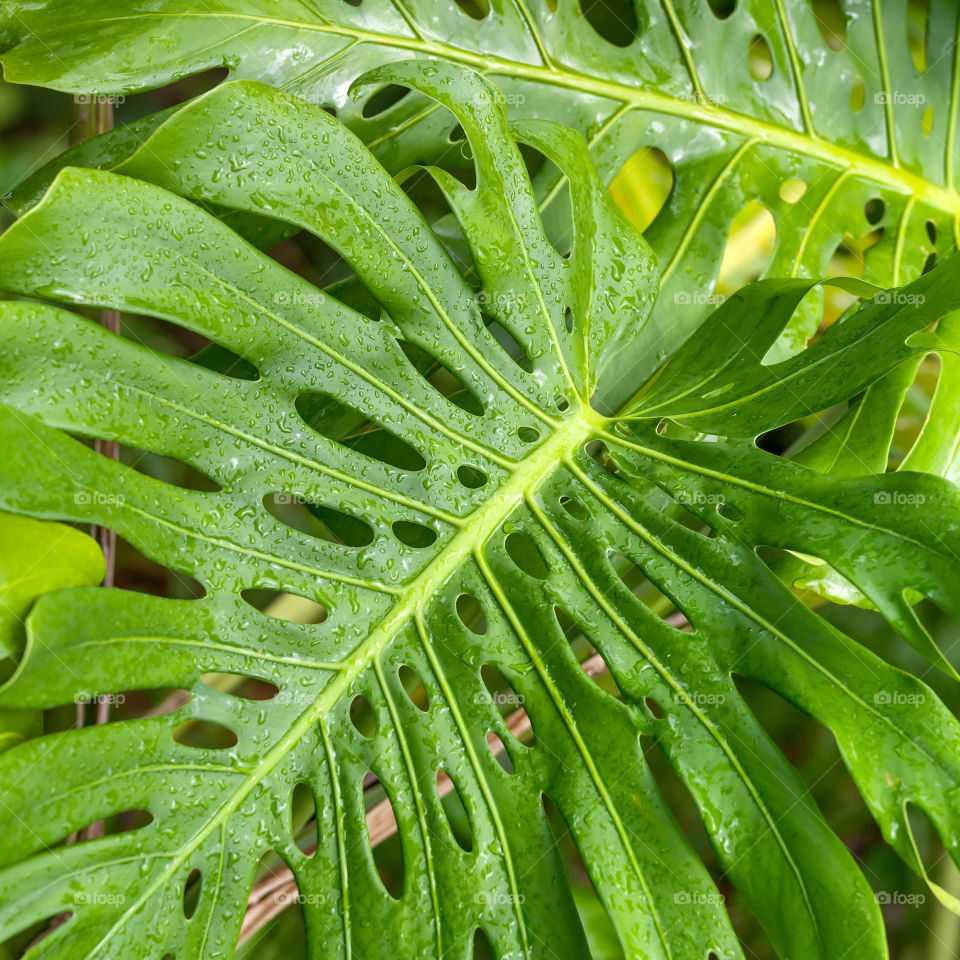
467,545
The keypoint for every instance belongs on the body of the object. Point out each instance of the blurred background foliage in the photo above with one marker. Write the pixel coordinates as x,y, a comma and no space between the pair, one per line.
36,125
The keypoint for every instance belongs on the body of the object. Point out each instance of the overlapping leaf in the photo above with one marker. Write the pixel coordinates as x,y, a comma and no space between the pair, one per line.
512,491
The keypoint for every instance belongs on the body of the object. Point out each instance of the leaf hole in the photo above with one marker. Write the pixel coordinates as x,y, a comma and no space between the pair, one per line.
792,190
499,750
510,345
204,735
932,231
457,134
138,573
508,702
482,948
441,378
874,210
858,95
749,249
561,403
926,122
471,614
191,893
929,263
384,99
303,812
568,320
241,686
319,411
362,717
761,60
289,607
918,27
385,846
575,508
831,22
643,185
317,520
414,688
478,9
599,452
455,811
175,472
654,708
413,534
722,9
471,477
526,556
729,512
614,20
528,434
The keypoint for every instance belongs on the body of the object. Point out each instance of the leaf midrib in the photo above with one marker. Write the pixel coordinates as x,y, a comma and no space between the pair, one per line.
708,113
478,528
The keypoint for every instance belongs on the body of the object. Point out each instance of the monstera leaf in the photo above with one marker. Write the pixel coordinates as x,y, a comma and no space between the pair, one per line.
469,547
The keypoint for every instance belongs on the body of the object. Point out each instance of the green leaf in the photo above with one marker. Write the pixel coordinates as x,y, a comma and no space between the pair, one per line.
562,507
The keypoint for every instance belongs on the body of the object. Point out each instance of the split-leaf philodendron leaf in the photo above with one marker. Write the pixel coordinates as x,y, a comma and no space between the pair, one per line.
511,497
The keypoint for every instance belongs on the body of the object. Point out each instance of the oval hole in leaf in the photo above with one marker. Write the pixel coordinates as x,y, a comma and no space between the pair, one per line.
478,9
599,452
631,575
926,122
792,190
343,424
918,28
303,810
654,708
238,685
642,186
749,249
729,512
441,378
385,845
363,717
414,688
858,95
510,345
614,20
191,893
508,702
526,556
455,811
471,477
874,209
722,9
929,263
499,750
471,614
126,821
528,434
414,534
482,948
385,98
932,231
284,606
318,520
761,60
204,735
175,472
831,22
575,508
